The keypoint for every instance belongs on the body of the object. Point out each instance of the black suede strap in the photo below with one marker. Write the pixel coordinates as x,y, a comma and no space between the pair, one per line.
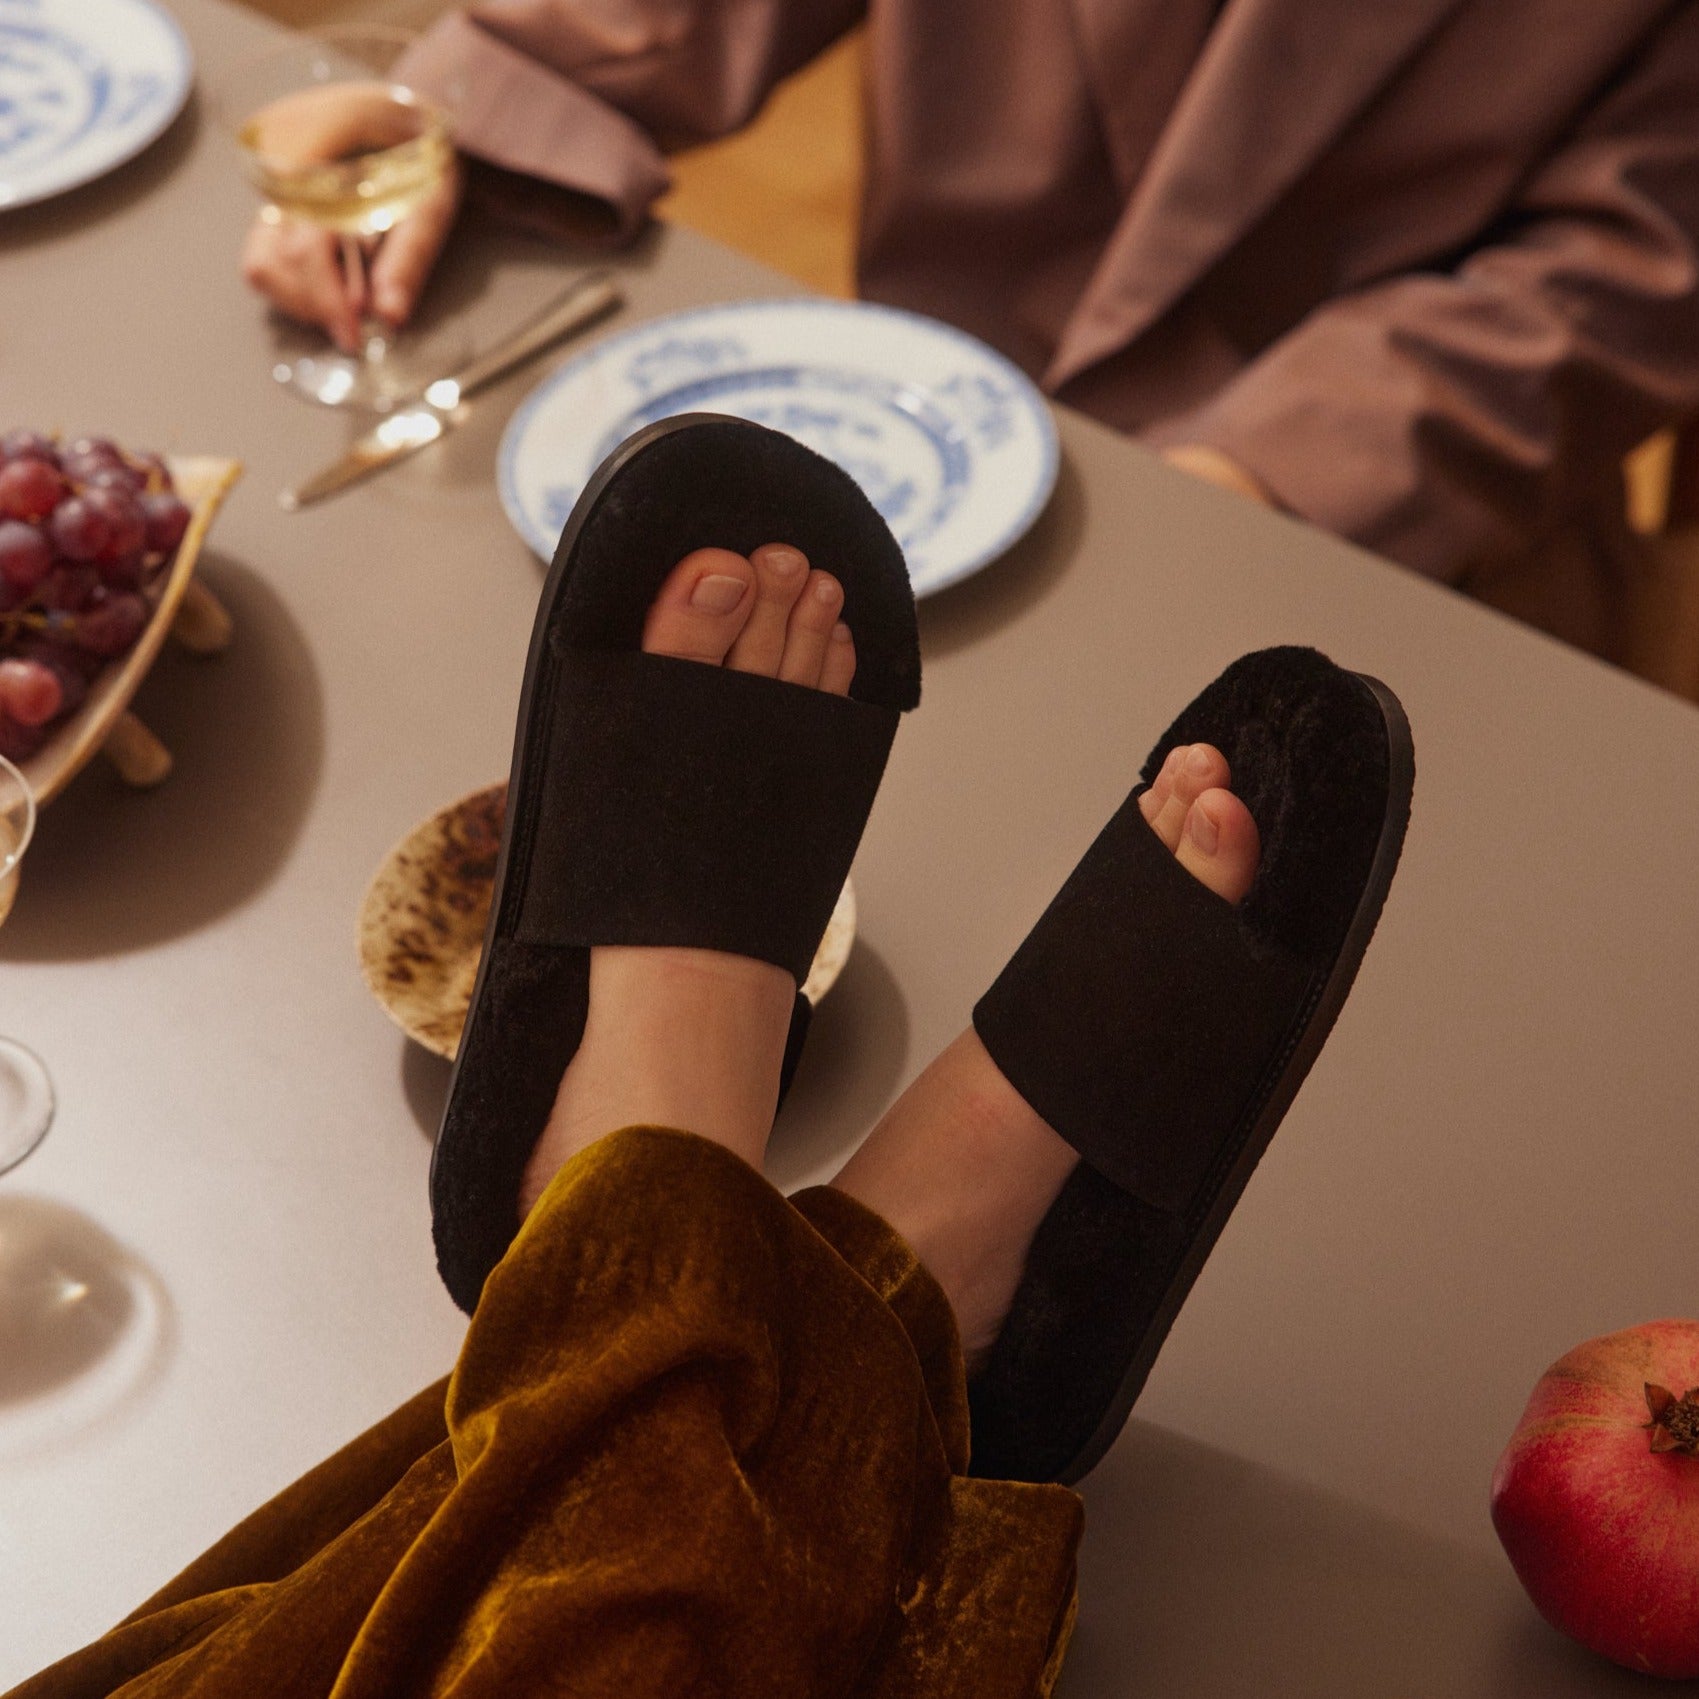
693,805
1146,1031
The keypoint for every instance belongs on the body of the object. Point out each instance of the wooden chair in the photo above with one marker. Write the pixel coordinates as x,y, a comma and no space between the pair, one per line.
1663,480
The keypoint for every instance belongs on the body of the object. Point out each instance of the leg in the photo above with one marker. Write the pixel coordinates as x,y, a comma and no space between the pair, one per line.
1066,1166
688,1445
960,1165
694,1038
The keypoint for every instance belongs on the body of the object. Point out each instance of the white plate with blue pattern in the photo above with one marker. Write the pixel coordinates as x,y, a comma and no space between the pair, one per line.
84,86
951,442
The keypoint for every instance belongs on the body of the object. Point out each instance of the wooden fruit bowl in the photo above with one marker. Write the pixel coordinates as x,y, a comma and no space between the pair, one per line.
104,719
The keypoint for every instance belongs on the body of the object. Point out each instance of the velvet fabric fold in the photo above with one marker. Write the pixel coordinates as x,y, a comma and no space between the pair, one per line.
700,1440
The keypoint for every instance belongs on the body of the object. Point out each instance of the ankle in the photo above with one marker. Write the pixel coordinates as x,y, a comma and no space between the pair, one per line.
964,1169
682,1038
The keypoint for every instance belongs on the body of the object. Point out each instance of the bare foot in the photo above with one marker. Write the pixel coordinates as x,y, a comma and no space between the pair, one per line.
695,1038
960,1165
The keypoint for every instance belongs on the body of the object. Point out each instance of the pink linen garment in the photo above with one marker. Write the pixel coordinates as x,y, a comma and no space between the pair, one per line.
1427,268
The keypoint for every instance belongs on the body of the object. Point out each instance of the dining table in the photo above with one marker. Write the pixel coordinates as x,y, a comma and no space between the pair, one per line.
1493,1159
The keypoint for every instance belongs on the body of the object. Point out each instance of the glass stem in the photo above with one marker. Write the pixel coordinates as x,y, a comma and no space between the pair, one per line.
374,333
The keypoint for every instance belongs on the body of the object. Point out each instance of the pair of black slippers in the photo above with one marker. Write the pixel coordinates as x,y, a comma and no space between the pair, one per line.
1161,1031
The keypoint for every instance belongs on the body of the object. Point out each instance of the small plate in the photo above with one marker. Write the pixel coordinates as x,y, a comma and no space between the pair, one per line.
84,86
421,928
203,481
951,442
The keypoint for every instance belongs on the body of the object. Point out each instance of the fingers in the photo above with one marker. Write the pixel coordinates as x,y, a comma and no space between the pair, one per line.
298,268
1220,469
410,250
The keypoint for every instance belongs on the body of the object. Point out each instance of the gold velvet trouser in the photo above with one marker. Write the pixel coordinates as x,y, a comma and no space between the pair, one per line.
700,1440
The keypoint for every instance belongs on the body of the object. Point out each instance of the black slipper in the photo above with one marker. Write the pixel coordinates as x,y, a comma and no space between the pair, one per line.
1163,1032
662,801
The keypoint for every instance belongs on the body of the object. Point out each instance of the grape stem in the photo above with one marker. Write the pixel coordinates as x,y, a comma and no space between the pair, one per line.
22,619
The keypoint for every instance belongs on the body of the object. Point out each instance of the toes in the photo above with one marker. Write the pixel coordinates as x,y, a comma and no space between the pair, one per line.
839,667
1219,844
765,614
1152,800
780,574
809,630
702,608
1189,771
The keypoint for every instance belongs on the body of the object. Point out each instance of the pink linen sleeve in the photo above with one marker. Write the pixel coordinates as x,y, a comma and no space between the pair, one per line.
1446,418
579,98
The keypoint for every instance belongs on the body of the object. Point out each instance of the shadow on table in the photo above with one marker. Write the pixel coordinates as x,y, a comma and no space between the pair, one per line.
1003,591
857,1046
85,1325
66,214
857,1049
114,869
1215,1578
424,1083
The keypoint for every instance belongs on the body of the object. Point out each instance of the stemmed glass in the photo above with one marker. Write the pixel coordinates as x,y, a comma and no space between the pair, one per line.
328,134
84,1324
26,1091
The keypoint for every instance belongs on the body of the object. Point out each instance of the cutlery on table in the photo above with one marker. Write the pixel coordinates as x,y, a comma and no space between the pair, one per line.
442,405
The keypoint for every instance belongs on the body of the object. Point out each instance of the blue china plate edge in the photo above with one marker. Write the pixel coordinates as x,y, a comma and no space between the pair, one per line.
1028,393
173,104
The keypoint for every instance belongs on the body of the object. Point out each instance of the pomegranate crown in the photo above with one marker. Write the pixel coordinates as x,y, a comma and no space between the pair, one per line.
1675,1421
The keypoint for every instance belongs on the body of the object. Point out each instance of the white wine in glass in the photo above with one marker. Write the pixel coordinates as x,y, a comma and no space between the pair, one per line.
329,135
355,158
26,1091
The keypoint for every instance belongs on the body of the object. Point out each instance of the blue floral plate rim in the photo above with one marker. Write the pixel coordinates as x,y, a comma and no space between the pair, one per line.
1020,399
68,24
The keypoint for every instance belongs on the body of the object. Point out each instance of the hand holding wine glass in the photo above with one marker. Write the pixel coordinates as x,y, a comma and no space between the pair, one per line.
299,268
362,185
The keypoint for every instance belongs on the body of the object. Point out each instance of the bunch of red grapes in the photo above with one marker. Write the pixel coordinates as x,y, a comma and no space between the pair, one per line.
86,531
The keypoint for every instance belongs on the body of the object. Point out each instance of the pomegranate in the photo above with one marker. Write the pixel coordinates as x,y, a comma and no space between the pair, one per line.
1596,1498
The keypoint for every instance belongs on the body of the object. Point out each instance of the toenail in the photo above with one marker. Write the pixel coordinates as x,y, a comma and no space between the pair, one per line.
786,562
1203,831
840,633
1201,760
717,593
826,590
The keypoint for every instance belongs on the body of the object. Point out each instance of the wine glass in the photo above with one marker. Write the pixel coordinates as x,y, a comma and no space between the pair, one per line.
328,134
84,1323
26,1091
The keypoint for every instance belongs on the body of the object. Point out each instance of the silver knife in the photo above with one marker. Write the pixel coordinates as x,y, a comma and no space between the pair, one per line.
442,405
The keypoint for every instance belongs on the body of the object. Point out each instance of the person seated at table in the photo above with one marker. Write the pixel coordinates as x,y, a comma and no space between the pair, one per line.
1421,274
702,1439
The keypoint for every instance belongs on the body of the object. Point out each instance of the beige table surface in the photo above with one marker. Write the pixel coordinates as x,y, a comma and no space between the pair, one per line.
1494,1158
